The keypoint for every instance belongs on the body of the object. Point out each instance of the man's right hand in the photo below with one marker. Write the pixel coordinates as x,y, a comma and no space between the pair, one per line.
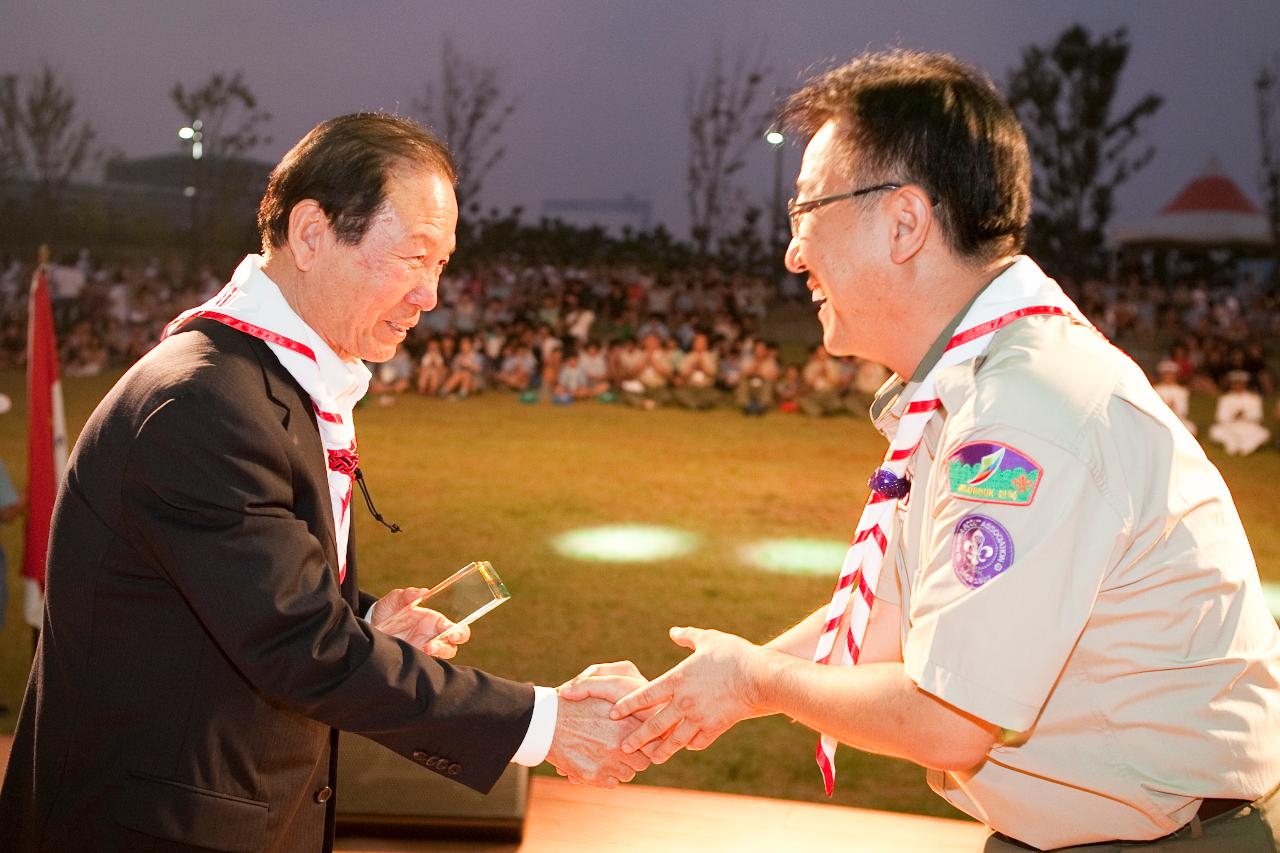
587,745
610,681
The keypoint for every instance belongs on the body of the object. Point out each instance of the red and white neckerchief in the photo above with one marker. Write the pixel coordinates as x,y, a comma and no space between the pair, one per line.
252,303
1020,291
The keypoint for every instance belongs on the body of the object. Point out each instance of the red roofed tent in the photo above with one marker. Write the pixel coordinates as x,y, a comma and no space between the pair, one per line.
1210,212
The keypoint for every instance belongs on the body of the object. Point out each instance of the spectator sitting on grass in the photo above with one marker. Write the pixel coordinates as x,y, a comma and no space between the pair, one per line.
465,372
788,389
518,367
820,391
552,349
626,360
432,370
392,377
760,371
572,383
83,354
1173,392
597,369
1238,422
867,378
492,342
695,380
730,359
649,389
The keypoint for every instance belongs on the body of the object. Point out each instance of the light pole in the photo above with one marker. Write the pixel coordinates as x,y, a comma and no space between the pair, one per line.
775,138
193,135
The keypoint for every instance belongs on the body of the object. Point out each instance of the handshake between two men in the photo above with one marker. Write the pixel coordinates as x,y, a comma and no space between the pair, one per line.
612,722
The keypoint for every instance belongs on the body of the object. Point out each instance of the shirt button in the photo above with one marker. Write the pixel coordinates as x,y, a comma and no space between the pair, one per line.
454,769
323,795
420,756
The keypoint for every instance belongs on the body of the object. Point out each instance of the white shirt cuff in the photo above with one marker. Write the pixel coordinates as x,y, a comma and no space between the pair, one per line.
542,727
537,740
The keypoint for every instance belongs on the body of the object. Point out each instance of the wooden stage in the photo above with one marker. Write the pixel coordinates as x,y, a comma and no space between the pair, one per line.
567,818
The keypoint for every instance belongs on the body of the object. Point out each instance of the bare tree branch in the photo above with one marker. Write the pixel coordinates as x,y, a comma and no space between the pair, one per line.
40,136
469,109
230,126
724,118
228,110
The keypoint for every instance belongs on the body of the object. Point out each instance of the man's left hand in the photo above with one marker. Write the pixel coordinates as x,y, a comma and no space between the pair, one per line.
420,627
704,695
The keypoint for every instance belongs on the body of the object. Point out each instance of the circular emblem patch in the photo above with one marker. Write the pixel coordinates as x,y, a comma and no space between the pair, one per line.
980,550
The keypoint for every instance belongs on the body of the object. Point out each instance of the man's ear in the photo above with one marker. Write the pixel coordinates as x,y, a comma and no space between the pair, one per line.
308,228
913,221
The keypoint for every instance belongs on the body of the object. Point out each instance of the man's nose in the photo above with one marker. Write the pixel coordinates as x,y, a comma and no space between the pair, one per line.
423,297
792,257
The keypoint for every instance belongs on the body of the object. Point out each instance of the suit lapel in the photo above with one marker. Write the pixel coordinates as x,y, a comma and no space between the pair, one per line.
298,419
350,586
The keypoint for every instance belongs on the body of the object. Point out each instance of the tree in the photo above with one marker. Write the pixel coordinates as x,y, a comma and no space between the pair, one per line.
228,113
11,158
724,118
1064,95
468,109
41,138
227,124
1268,92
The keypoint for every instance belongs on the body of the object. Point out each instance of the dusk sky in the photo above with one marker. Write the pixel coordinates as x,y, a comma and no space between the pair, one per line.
601,85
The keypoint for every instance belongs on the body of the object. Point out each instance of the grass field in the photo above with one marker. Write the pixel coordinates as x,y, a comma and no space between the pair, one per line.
492,479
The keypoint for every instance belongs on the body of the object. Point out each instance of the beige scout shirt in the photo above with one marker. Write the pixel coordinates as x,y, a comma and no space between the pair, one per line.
1117,625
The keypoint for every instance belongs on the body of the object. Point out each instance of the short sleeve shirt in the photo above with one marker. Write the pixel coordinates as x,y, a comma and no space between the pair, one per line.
1071,568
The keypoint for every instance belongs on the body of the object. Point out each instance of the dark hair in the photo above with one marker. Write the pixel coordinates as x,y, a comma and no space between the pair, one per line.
931,120
343,165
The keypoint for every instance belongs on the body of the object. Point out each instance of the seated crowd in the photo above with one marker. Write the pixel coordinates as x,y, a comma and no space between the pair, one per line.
686,339
690,368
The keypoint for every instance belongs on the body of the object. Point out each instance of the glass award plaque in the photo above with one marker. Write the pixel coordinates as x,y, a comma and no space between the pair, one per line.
467,594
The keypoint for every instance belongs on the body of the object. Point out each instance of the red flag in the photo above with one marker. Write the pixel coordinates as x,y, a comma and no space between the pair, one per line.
46,442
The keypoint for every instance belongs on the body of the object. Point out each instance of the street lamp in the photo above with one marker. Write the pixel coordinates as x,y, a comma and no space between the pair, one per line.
193,135
775,138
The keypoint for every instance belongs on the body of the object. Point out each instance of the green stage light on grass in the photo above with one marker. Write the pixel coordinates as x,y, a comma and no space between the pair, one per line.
796,556
1271,592
625,543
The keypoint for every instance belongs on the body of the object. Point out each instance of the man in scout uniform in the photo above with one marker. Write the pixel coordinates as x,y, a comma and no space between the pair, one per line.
1049,597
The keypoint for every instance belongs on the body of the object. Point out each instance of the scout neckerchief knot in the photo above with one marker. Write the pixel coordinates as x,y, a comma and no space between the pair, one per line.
253,304
1020,291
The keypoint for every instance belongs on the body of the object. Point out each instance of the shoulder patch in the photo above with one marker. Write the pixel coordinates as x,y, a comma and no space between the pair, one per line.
980,550
993,473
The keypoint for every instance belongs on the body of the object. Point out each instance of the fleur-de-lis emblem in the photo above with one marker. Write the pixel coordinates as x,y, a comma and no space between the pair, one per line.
976,549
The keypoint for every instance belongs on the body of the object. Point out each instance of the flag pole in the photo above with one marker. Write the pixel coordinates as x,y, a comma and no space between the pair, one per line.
46,440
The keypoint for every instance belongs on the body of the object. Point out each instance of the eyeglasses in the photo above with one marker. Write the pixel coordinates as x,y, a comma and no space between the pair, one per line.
796,209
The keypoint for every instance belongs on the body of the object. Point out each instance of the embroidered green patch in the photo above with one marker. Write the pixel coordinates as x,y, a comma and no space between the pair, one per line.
989,472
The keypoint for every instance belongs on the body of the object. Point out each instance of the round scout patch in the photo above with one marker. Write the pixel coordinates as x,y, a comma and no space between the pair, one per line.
980,550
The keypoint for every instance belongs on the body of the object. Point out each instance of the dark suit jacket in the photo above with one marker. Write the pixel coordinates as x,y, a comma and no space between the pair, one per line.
197,649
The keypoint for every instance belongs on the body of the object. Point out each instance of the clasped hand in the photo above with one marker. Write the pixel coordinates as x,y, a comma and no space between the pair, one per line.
689,706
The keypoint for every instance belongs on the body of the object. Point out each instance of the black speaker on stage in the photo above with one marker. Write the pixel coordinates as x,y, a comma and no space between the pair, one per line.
384,793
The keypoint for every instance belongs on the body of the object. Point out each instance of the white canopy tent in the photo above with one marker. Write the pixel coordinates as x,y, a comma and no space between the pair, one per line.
1211,211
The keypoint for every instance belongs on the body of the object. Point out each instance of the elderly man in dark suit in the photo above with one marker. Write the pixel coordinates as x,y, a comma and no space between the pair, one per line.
204,635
